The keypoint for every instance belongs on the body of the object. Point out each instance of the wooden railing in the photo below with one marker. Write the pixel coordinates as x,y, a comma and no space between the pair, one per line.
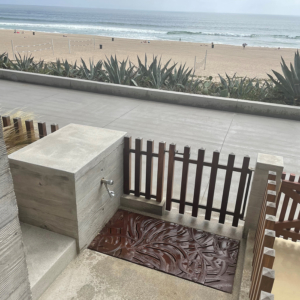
242,192
262,277
29,126
288,224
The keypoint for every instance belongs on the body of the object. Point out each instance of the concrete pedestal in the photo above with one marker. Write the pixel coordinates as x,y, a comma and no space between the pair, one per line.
58,180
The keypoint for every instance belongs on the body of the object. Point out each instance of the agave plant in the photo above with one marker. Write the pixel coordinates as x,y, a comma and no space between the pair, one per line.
62,68
5,62
117,72
289,84
236,87
180,79
24,63
94,72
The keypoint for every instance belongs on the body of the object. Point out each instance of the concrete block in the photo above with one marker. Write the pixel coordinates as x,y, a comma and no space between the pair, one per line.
47,255
58,180
143,205
264,164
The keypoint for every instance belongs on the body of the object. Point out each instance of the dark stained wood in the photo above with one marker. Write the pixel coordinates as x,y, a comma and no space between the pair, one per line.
42,129
212,184
18,125
297,229
198,181
6,121
160,171
149,169
226,189
283,176
138,166
184,178
241,189
54,127
171,166
127,165
170,248
286,200
29,128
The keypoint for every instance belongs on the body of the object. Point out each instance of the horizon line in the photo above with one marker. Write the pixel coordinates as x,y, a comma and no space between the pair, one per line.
172,11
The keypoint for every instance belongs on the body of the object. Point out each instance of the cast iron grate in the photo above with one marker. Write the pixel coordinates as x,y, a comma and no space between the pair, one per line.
185,252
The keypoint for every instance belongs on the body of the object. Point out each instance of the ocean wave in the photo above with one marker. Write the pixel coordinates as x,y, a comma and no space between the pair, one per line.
226,34
79,27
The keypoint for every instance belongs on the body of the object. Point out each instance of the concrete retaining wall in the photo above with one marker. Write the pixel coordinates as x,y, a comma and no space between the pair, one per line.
217,103
14,282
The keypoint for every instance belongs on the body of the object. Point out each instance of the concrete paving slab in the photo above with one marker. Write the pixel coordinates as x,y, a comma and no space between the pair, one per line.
47,255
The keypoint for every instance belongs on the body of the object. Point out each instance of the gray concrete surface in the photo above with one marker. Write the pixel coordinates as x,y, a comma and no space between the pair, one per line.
95,276
225,104
143,205
14,280
227,132
47,255
57,180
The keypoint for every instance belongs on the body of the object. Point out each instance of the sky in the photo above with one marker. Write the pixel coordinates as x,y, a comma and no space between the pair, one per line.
277,7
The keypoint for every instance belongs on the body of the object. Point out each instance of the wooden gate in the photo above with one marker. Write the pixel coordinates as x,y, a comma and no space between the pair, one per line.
288,224
184,158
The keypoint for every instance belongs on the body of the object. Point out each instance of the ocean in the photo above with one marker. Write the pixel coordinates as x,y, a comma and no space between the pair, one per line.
231,29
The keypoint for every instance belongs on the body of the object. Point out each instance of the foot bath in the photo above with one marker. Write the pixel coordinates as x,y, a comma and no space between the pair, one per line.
188,253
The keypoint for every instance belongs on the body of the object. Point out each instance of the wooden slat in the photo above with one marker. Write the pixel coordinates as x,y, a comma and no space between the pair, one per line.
6,121
160,171
138,166
29,128
297,229
287,225
241,189
226,189
127,165
265,261
212,184
149,169
54,127
42,129
291,234
291,185
198,181
184,178
267,280
171,166
283,176
18,125
286,200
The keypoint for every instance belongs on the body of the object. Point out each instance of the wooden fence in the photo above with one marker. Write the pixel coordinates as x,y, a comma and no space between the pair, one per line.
243,188
288,223
262,277
29,126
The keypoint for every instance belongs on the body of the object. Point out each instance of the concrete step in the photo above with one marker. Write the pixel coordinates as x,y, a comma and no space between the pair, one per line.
47,255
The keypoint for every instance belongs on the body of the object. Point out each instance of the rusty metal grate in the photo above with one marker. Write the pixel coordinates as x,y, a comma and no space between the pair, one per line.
185,252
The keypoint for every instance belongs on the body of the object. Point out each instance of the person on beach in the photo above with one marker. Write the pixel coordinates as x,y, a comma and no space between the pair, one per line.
244,46
212,45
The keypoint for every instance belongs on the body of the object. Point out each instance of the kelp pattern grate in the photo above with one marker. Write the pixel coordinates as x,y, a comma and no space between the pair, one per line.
185,252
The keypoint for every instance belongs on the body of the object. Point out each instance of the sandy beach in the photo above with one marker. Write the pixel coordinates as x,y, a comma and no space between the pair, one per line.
252,62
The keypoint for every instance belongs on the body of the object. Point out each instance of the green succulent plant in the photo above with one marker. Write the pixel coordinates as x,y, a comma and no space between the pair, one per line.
289,83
